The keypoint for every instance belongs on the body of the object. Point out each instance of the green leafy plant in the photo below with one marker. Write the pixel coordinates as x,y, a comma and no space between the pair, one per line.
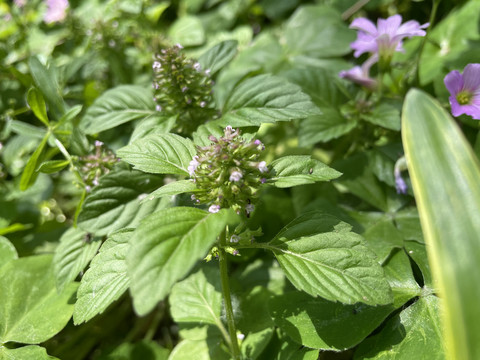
238,180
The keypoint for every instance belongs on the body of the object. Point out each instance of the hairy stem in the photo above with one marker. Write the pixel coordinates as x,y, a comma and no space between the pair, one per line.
222,257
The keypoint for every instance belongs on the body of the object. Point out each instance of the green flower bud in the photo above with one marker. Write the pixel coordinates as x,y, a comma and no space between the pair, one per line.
228,173
181,89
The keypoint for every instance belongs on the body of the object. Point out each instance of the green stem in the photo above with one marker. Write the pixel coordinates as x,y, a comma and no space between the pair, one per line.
67,155
222,257
433,14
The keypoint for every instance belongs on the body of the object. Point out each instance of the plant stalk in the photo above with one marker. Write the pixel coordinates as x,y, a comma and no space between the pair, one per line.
232,330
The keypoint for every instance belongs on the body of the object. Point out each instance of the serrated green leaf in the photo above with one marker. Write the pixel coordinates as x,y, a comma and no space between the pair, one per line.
30,307
106,278
53,166
187,31
217,57
165,247
322,257
29,174
117,106
384,115
445,174
37,104
198,299
321,324
115,203
7,251
266,99
173,188
318,31
159,154
32,352
47,84
297,170
413,334
76,249
152,125
325,127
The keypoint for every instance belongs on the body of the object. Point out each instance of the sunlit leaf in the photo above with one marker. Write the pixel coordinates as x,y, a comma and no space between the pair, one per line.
165,247
321,256
159,154
106,278
117,106
115,203
31,309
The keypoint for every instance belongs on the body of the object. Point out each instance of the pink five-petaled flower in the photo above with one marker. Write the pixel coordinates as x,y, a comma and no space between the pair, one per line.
464,91
385,38
56,11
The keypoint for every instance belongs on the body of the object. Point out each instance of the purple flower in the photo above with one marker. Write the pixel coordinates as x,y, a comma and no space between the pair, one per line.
360,74
386,37
400,184
464,91
56,11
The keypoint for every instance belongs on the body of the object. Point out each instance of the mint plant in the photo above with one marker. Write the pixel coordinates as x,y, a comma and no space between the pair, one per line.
238,180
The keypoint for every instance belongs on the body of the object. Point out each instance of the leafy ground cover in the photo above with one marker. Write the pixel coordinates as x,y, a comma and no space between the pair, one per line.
239,179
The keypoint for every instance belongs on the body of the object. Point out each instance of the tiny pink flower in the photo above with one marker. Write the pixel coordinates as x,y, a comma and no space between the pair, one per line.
464,91
235,175
214,209
193,166
262,166
56,11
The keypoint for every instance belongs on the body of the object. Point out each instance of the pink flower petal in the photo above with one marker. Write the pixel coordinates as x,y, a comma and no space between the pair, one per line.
472,110
457,109
389,26
363,24
471,77
454,83
411,28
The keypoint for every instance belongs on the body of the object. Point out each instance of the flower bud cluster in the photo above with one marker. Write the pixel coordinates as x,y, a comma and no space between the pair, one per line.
227,172
181,88
93,166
